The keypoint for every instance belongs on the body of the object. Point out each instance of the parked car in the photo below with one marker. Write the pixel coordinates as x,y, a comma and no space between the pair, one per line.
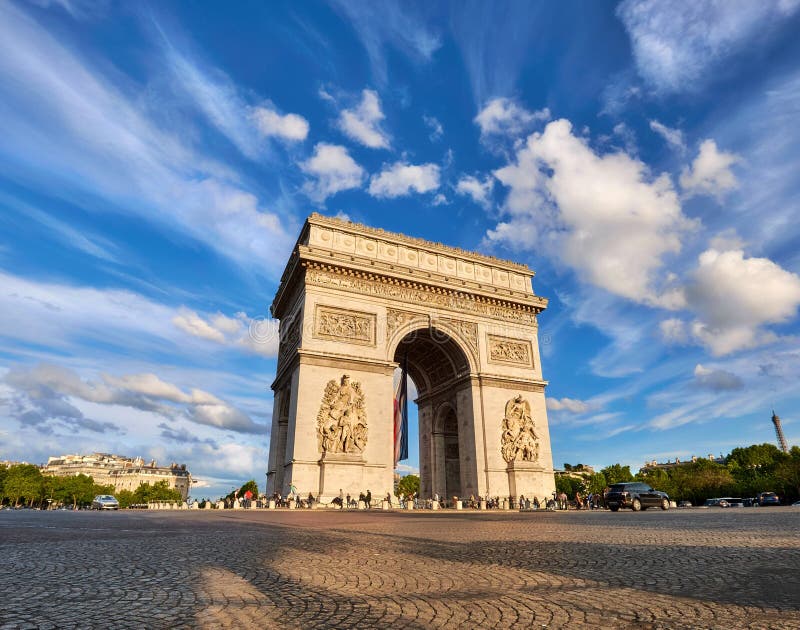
684,504
796,504
636,496
767,498
105,502
733,502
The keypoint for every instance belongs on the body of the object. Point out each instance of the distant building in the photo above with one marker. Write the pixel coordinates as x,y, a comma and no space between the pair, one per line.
578,471
668,465
776,420
123,473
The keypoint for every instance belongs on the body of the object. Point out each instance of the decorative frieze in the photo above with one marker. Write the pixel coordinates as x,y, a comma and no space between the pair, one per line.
397,319
507,350
467,330
342,418
339,324
419,295
519,441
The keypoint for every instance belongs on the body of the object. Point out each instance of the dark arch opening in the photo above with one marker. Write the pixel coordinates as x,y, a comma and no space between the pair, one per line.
436,364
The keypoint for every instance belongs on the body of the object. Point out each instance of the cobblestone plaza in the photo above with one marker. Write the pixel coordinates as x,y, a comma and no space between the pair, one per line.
678,569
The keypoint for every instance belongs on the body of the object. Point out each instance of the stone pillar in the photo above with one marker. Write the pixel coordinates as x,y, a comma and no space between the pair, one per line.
459,505
483,504
271,504
220,505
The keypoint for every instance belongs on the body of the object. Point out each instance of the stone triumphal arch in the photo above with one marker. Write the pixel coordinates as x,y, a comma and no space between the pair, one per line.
355,302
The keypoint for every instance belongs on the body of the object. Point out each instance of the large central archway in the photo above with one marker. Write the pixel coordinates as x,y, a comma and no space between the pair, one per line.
440,368
353,302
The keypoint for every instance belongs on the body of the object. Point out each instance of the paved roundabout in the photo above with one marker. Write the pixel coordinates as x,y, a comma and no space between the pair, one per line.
678,569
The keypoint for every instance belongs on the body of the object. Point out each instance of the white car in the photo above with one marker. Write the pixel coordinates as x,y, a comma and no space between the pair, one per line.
105,502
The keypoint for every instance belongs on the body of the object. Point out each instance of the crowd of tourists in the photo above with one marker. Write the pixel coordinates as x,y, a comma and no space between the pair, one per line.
347,501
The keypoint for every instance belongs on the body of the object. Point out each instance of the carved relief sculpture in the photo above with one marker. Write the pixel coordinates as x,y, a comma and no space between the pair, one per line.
467,330
519,440
395,319
342,418
504,350
342,325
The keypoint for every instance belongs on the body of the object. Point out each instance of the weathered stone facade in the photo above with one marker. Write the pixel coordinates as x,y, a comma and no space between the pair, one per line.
354,302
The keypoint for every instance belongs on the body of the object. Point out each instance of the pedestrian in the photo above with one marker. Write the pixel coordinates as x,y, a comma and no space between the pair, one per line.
369,500
348,501
341,498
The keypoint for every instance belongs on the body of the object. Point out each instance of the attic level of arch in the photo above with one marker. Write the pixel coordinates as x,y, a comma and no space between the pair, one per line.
412,290
352,249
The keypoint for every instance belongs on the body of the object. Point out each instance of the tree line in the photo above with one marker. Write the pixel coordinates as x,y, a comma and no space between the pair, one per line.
24,484
744,473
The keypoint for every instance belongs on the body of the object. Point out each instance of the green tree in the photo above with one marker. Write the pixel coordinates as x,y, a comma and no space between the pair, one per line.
659,479
125,498
23,481
159,491
616,473
3,474
407,485
597,483
570,485
701,480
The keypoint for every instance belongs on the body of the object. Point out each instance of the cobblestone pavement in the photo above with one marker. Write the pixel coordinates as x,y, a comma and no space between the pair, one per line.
678,569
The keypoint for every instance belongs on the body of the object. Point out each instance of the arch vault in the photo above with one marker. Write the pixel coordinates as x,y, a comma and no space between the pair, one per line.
353,301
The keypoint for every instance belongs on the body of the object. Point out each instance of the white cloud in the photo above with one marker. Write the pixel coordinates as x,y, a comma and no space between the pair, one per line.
710,173
402,179
333,169
605,216
673,137
65,318
479,191
716,379
286,126
383,24
506,117
90,137
673,331
362,123
678,46
190,322
253,335
42,399
568,404
735,297
437,131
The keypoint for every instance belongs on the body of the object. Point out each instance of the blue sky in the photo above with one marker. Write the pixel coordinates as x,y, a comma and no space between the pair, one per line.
158,159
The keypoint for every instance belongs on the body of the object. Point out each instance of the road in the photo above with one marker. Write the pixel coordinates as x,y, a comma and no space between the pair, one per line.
690,568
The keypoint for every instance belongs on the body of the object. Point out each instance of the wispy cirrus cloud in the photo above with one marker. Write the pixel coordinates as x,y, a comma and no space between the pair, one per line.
678,46
93,136
384,25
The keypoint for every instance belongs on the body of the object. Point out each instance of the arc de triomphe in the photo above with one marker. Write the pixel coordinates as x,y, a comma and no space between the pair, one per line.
353,302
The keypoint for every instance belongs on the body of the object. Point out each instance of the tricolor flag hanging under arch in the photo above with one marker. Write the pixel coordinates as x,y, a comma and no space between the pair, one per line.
401,415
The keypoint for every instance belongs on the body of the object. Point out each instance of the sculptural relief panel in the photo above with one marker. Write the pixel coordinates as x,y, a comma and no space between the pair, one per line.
507,350
519,441
342,418
339,324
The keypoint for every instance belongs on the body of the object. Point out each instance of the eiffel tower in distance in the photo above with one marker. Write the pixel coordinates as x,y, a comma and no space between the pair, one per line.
779,432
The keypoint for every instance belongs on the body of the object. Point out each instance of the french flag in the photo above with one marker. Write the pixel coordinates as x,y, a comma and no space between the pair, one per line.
401,416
